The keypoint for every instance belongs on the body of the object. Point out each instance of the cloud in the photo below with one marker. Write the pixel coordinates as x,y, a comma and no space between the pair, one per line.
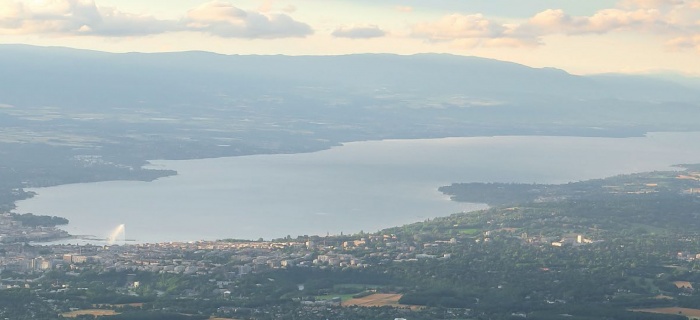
289,8
604,21
225,20
480,29
84,17
678,20
10,14
269,6
404,9
115,23
359,32
472,31
457,26
662,17
687,42
266,6
651,4
75,17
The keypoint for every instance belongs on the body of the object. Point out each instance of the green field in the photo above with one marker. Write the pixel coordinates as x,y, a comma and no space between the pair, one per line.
469,231
357,286
343,297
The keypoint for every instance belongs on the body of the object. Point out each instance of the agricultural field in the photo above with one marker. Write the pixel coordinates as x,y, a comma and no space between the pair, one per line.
683,284
343,297
470,231
348,291
693,314
92,312
376,300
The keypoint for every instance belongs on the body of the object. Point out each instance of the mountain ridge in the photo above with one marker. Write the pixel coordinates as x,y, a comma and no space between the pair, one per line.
425,73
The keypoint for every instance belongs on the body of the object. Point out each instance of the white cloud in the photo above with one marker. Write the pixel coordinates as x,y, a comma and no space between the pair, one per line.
686,42
359,32
472,31
651,4
289,8
116,23
84,17
677,19
266,6
225,20
603,21
10,13
269,6
457,26
75,17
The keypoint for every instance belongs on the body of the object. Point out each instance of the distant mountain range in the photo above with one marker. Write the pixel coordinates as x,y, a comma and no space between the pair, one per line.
200,104
89,79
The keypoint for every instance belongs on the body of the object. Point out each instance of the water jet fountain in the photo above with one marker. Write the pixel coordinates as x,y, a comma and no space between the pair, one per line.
119,230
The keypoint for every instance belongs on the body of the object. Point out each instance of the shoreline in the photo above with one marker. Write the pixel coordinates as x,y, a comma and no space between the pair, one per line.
315,216
146,163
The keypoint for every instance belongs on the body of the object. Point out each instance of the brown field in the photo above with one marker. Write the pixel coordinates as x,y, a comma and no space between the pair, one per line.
102,305
690,313
94,312
379,300
683,284
375,300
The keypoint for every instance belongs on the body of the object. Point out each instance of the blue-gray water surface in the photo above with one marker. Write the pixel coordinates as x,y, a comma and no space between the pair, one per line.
359,186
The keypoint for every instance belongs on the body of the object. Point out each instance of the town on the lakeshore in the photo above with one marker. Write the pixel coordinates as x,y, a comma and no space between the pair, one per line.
558,250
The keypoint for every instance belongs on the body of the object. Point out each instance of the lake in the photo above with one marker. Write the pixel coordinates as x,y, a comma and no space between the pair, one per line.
359,186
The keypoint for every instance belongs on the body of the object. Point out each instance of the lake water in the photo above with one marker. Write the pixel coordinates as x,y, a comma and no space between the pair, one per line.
359,186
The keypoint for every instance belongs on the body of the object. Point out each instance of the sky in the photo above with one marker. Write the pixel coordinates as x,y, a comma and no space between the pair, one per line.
579,36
